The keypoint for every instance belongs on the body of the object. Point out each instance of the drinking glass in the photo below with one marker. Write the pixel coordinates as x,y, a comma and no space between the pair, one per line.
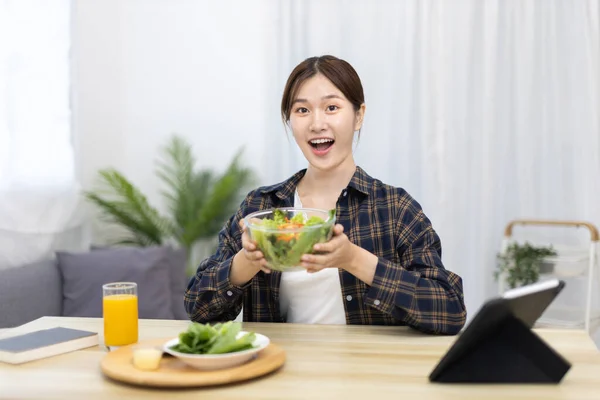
120,313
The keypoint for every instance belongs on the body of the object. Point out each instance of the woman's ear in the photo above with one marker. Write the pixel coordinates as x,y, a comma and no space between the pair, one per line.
360,116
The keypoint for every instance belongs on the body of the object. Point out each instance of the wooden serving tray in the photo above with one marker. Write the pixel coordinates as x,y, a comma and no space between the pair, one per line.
172,372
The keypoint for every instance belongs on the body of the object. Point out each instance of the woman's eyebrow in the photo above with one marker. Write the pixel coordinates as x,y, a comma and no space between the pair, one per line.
329,96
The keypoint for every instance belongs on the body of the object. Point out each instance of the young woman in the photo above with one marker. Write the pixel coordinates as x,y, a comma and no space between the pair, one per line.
383,264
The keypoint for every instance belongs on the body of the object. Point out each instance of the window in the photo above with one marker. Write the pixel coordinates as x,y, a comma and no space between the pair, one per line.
35,134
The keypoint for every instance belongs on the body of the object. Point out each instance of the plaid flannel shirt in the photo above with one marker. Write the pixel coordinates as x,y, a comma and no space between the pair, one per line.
410,287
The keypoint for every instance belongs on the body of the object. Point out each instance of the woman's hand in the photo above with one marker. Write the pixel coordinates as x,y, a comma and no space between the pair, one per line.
336,253
247,262
254,256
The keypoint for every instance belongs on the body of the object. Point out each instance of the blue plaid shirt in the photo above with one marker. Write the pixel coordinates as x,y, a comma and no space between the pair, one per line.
410,287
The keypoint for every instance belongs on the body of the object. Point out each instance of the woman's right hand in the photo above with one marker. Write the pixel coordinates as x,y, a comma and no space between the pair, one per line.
251,252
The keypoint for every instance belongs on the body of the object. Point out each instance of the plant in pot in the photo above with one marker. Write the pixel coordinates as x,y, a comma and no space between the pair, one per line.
522,264
198,202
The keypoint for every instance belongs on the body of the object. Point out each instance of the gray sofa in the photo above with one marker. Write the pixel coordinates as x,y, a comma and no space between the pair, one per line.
71,284
29,292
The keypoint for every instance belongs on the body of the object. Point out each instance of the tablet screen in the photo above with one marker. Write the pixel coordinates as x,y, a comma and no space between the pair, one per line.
533,288
528,303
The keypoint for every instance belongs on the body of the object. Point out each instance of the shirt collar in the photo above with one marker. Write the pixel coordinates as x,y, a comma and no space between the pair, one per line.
361,181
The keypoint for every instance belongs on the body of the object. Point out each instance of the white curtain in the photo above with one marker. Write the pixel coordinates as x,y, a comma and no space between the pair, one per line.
39,195
485,111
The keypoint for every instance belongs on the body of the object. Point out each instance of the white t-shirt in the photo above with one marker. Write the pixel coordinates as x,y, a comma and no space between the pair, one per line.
311,298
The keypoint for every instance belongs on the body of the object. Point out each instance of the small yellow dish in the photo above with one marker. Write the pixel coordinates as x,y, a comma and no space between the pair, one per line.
147,358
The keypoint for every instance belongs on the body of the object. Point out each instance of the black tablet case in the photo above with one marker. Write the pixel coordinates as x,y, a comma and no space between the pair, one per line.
500,347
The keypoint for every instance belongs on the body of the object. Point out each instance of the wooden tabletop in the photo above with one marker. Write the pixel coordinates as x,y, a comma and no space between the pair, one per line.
329,362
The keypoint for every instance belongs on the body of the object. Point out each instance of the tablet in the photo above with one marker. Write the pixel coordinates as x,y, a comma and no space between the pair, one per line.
526,304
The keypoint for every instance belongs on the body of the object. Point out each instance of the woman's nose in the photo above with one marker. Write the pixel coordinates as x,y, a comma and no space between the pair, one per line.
318,123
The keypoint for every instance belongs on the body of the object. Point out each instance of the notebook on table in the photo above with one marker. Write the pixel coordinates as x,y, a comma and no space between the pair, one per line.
44,343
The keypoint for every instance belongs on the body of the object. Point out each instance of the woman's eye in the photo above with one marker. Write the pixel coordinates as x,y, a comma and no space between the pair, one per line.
332,108
302,110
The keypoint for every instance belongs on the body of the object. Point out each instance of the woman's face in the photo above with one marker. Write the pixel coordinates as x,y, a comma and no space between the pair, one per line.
323,122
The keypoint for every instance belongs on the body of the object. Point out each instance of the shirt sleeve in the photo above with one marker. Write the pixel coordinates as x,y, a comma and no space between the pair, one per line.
210,296
418,290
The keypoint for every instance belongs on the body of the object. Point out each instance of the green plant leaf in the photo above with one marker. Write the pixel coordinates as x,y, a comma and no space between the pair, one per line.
220,198
122,203
198,201
520,264
175,169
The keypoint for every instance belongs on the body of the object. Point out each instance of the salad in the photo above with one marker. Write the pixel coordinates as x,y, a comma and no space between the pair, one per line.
284,235
217,339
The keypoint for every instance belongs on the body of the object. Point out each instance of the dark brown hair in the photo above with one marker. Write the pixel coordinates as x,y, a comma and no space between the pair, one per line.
338,71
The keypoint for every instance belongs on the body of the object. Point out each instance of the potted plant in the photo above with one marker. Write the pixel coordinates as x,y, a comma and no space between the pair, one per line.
198,201
522,264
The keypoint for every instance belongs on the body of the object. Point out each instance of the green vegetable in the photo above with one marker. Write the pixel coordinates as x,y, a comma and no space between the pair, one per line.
283,250
216,339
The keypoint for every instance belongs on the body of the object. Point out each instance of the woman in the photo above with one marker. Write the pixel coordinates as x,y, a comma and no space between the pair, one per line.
383,264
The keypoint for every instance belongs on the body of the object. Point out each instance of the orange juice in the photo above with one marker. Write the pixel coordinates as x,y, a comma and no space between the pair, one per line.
120,319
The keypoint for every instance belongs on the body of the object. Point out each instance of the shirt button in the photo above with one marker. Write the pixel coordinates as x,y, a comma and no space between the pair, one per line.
344,193
229,293
349,298
376,302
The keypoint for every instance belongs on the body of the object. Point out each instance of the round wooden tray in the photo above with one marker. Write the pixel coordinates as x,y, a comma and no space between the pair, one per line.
172,372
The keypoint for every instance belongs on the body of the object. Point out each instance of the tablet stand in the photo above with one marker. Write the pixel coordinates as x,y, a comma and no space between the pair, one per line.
507,353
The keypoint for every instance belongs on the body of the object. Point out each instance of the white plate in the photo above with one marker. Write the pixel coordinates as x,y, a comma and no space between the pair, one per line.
218,361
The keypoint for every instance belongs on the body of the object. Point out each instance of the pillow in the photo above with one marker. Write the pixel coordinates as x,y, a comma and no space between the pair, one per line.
29,292
83,275
178,279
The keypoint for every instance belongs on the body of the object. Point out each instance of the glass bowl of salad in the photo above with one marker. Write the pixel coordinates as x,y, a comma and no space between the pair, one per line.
283,235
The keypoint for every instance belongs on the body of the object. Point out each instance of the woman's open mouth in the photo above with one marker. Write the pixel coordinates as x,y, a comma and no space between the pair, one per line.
321,146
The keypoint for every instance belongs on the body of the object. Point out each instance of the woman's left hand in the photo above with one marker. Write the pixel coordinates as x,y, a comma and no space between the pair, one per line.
336,253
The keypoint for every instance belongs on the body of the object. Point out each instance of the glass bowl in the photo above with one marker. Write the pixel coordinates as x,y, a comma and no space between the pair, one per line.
283,235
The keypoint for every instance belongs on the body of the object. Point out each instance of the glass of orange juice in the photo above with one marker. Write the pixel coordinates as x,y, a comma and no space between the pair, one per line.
120,313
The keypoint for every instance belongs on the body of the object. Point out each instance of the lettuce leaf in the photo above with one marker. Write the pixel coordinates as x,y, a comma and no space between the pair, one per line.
218,339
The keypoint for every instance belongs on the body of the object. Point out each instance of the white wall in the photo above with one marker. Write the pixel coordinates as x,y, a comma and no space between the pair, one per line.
144,70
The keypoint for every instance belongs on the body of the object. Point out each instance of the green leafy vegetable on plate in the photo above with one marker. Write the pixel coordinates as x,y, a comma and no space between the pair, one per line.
220,338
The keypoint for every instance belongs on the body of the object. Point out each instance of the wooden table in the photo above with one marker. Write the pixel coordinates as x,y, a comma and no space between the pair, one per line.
329,362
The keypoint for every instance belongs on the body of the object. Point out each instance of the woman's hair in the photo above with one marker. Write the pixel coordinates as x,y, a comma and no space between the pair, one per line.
338,71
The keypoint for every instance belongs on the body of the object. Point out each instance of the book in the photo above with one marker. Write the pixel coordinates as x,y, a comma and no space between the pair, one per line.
45,343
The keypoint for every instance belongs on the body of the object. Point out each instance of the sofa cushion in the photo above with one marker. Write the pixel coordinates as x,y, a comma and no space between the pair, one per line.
179,282
83,275
29,292
178,278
